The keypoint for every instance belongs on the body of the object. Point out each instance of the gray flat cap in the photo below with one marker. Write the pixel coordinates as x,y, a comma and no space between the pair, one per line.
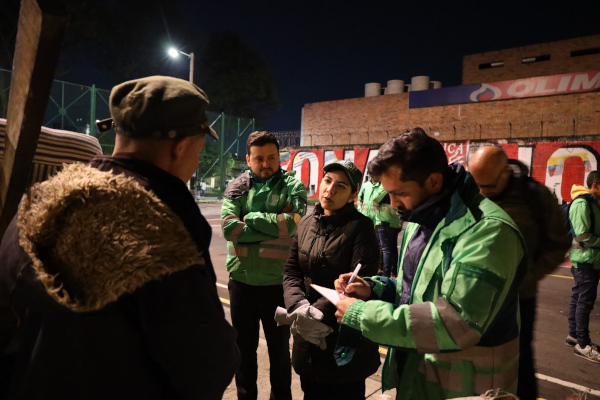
158,107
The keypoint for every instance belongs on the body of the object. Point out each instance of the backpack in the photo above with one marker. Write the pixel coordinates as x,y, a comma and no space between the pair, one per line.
568,228
564,212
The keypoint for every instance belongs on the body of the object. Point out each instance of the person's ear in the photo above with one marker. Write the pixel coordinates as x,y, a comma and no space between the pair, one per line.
353,196
178,148
434,182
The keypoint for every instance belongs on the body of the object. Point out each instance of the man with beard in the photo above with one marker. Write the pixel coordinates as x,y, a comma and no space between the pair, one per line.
535,211
259,216
452,325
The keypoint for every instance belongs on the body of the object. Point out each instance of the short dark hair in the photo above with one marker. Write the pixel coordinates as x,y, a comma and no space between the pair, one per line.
593,177
415,153
260,138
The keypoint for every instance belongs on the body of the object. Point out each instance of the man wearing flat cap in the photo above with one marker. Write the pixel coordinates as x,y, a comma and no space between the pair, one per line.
110,261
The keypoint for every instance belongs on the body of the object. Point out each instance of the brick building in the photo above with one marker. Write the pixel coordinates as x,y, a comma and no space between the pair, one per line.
368,120
526,99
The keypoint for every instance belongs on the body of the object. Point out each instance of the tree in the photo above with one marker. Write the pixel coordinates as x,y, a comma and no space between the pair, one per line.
208,156
236,78
102,36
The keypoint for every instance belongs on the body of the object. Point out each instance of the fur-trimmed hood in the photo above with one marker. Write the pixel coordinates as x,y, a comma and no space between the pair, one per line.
93,236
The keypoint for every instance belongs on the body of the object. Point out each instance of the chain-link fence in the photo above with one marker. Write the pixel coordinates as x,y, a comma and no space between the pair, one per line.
76,108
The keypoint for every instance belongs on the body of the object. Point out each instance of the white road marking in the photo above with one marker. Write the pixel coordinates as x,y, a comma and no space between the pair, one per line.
568,384
221,285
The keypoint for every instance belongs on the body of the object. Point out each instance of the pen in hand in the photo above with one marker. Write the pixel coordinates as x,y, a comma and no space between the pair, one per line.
352,277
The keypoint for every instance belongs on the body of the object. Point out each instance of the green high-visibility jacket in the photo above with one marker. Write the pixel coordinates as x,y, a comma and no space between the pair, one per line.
459,334
258,247
585,251
385,211
364,201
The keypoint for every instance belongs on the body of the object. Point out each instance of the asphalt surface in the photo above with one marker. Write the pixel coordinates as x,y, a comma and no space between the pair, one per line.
560,373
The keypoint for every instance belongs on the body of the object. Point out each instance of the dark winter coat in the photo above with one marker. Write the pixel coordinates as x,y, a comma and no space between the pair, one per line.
323,248
111,264
536,213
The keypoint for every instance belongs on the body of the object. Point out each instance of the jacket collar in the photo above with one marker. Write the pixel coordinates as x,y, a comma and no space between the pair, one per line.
276,176
433,210
340,215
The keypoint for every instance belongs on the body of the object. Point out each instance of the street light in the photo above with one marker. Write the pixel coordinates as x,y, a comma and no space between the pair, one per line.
174,53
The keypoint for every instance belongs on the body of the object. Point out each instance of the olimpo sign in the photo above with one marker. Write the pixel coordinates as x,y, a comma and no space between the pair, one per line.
576,82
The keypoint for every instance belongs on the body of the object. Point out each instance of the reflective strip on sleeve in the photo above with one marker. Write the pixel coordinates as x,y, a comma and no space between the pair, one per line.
237,251
282,226
228,218
423,329
235,233
273,253
581,238
287,241
458,328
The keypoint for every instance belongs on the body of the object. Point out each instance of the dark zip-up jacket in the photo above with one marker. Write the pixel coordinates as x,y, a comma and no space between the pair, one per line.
323,248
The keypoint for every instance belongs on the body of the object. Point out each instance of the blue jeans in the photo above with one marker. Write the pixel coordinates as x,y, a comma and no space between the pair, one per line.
583,296
388,239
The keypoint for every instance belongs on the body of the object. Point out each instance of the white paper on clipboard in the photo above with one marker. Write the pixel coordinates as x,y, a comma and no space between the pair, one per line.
330,294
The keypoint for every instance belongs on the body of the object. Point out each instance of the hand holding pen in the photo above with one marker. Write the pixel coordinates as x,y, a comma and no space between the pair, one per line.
351,285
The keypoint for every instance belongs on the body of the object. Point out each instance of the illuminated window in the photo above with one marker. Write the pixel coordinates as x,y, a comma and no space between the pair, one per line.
492,65
528,60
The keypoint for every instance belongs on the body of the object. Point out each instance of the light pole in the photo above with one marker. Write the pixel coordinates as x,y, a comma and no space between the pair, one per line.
173,52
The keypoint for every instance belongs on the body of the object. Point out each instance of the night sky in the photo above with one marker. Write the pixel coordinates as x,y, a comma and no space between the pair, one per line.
327,50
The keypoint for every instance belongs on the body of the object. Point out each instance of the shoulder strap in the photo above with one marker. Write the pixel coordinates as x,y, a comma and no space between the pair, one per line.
238,186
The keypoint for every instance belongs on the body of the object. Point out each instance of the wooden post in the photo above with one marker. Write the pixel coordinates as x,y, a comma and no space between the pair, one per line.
42,24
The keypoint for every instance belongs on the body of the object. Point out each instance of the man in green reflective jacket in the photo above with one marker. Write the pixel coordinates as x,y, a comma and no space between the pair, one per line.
259,215
584,217
452,321
364,201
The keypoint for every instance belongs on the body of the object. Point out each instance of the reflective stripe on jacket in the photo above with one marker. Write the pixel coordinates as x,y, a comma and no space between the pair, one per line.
258,247
585,252
364,201
385,211
458,336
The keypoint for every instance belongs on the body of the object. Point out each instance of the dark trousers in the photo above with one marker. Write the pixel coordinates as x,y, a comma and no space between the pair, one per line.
249,305
583,296
388,239
527,387
323,391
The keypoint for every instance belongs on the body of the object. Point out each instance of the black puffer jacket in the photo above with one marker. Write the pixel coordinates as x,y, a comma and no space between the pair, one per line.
323,248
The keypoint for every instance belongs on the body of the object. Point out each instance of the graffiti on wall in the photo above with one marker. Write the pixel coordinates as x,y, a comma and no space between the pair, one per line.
558,165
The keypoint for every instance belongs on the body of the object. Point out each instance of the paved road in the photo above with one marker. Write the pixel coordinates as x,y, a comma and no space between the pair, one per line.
558,369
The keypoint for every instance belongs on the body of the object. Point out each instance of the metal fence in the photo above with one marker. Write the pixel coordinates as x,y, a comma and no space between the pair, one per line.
76,108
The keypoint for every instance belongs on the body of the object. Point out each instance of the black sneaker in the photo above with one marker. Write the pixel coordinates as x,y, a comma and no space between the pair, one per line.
570,341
